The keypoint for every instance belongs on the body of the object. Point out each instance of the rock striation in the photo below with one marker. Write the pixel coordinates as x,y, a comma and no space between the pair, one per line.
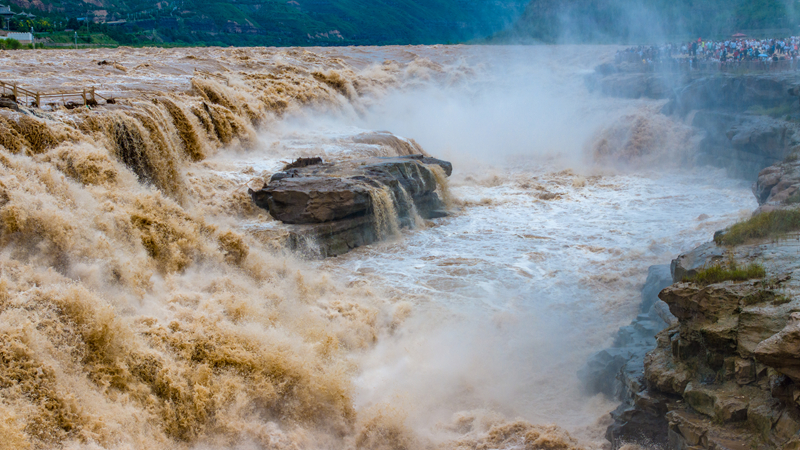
334,207
725,373
721,370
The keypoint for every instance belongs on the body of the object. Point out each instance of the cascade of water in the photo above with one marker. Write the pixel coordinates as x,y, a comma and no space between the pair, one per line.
442,188
384,212
413,214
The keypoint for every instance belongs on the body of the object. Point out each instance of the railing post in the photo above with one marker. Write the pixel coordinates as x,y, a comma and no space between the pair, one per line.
83,94
15,92
38,100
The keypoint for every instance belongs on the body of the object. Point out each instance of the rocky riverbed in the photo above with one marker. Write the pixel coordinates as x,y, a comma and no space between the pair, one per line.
714,364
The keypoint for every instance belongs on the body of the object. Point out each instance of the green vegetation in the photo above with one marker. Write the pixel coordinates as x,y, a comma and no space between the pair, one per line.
268,22
10,44
772,224
383,22
731,272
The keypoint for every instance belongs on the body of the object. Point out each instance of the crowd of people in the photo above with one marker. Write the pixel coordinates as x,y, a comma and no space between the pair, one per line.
732,52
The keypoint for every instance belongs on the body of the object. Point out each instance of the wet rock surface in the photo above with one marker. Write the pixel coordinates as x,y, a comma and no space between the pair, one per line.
744,143
723,370
778,185
725,373
618,371
337,206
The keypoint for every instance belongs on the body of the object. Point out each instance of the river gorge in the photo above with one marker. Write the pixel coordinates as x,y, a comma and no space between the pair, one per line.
148,302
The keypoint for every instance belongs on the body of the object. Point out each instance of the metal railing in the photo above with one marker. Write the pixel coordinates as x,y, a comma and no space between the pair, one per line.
684,64
26,97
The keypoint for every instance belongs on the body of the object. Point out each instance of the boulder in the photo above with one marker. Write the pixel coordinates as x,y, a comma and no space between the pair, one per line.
782,351
8,103
328,192
330,208
709,304
687,264
759,322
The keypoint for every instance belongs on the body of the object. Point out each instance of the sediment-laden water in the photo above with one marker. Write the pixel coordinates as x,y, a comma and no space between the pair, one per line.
145,302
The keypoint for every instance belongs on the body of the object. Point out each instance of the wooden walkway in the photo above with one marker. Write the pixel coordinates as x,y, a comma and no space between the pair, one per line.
26,97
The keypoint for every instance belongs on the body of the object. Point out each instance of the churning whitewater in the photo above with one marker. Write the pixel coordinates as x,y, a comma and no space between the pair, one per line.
146,302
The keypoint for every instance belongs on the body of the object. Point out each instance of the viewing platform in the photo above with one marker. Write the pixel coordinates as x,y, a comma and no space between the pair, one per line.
37,99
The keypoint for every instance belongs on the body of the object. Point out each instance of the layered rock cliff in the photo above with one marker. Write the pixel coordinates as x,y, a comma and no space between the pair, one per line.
714,361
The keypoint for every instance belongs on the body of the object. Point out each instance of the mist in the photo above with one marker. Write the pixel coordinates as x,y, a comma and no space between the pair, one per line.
186,299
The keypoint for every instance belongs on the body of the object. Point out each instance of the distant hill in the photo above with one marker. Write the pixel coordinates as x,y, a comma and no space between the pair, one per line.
641,21
275,22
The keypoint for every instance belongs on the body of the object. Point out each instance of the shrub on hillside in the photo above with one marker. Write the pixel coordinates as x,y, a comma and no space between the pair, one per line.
719,273
10,44
765,225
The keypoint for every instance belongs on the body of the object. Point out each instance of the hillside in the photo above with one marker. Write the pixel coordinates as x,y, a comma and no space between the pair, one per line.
640,21
276,22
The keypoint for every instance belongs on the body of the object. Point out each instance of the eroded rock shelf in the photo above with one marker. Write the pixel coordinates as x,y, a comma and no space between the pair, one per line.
333,207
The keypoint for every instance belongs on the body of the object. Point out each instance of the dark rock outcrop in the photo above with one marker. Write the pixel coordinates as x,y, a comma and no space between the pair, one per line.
8,103
778,185
334,207
736,92
744,143
724,374
618,371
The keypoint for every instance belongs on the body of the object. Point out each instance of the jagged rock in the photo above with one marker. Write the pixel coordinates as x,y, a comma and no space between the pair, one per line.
722,403
782,351
635,84
705,304
621,367
761,416
8,104
658,278
759,322
734,91
778,184
787,425
702,400
792,444
634,425
744,371
331,208
686,428
327,192
664,373
744,143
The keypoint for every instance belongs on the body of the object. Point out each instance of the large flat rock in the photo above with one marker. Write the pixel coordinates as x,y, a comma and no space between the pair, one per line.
327,192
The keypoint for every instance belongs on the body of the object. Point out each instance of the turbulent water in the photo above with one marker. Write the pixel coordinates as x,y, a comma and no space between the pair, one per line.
145,302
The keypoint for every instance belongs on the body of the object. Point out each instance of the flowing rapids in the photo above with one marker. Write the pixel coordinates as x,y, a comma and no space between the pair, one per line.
145,302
